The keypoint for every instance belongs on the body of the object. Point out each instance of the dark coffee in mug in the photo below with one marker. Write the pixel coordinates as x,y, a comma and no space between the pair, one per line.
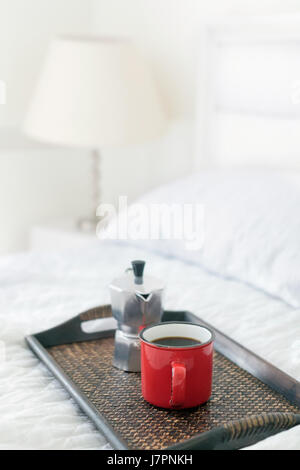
176,341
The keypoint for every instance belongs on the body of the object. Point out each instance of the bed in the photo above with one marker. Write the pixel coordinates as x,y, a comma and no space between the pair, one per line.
245,280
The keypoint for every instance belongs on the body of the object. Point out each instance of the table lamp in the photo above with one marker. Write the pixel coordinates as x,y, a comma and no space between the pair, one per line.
93,93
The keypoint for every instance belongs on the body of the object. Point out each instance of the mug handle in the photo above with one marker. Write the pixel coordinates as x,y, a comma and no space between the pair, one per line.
178,384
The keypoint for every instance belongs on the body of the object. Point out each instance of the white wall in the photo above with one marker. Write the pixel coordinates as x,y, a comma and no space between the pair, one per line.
26,27
37,184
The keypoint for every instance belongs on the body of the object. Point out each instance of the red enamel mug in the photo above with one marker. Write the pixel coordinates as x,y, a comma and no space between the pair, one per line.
176,376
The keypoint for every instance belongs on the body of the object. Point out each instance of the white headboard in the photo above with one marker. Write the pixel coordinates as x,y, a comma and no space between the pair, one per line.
248,107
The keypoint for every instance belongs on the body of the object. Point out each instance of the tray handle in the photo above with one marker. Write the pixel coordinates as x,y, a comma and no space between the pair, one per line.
241,433
72,332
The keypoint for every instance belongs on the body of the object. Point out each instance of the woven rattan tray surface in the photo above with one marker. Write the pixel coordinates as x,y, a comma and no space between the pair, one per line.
115,396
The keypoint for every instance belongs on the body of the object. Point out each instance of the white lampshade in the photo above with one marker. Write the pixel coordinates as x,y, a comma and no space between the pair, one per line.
95,92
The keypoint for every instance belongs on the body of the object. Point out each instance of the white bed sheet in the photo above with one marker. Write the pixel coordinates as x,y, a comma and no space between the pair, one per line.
38,291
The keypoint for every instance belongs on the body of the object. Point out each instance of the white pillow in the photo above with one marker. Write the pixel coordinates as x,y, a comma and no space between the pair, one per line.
251,227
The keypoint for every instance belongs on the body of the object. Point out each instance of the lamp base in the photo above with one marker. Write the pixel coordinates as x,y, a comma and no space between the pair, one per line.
89,224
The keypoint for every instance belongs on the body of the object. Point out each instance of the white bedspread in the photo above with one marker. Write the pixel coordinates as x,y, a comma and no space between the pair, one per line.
38,291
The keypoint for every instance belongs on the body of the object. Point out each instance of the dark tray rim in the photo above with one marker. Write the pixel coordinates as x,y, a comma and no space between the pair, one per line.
71,332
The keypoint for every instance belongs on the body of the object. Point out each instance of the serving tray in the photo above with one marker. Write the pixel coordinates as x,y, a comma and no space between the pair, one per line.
251,399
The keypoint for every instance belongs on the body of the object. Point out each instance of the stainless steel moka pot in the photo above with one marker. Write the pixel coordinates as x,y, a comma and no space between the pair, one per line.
136,302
